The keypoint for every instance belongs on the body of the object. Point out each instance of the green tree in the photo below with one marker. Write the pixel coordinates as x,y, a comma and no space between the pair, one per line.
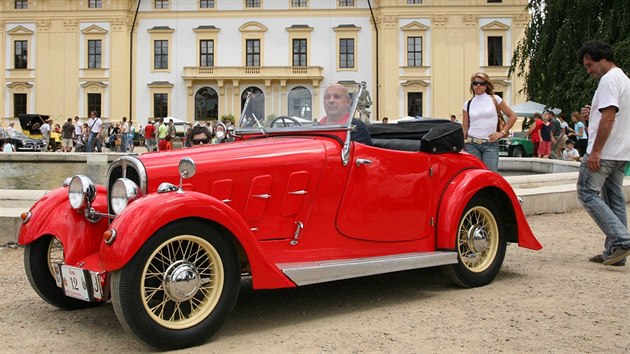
546,57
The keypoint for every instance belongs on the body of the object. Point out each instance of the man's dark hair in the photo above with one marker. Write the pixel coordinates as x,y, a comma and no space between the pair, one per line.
200,129
596,50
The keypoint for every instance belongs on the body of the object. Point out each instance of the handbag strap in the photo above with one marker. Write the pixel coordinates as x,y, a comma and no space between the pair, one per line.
496,105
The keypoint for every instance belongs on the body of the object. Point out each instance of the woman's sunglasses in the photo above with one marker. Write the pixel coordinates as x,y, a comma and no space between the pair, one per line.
479,83
200,141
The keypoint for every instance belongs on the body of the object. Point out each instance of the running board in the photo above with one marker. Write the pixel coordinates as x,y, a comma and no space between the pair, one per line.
304,273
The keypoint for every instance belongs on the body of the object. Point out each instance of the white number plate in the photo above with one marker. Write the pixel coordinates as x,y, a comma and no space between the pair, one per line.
503,153
76,284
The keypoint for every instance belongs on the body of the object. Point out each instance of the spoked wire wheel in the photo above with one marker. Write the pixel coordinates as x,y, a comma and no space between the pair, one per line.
55,254
182,282
179,287
480,244
478,239
40,257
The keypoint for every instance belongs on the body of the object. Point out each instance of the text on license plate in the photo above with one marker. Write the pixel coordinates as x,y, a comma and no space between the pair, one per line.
503,153
80,283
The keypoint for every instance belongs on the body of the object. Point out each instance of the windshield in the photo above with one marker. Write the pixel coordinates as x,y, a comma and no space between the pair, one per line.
337,104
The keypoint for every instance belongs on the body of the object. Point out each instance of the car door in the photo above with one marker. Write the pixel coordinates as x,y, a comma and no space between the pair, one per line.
387,195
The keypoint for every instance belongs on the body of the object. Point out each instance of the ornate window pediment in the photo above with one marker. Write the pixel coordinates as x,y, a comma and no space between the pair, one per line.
253,26
94,29
495,26
20,30
415,26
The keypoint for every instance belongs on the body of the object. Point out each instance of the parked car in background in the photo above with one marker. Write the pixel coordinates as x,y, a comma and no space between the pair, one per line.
170,234
31,123
517,145
21,142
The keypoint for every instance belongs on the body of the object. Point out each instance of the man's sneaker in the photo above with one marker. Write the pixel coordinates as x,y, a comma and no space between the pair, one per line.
617,255
600,259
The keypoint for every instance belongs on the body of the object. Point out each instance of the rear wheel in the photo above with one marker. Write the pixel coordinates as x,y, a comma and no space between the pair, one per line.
179,288
480,244
40,257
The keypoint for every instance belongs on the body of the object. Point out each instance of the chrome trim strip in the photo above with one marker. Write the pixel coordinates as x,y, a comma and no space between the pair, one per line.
262,196
304,273
302,192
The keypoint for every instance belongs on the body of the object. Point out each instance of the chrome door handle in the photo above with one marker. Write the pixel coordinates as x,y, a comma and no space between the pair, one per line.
360,162
261,196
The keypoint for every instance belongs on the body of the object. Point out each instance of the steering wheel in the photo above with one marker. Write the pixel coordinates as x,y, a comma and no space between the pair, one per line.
284,120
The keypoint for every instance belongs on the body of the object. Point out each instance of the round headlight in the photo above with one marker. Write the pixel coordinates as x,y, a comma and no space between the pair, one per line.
123,192
81,190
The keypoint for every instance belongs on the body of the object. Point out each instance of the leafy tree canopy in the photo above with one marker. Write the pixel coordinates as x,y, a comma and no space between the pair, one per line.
546,57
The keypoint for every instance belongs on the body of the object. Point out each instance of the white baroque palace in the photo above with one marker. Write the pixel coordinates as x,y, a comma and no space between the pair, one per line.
197,59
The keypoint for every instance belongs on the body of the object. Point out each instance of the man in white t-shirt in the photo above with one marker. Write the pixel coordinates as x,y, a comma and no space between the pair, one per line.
608,152
124,130
94,124
45,130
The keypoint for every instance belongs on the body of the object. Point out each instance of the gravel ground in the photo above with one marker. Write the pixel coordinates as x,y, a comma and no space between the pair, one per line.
547,301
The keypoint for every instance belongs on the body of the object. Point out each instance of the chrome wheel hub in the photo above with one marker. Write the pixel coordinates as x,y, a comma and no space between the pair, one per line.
181,281
477,238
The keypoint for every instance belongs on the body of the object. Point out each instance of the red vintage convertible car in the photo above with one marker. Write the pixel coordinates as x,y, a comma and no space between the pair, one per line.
170,235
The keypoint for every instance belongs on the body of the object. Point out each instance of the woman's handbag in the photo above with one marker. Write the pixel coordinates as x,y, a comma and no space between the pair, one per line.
500,121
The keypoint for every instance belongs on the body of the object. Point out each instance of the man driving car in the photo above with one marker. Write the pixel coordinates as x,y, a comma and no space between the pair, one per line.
337,105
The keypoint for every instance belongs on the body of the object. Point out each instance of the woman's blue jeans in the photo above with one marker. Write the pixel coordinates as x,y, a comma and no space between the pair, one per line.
487,152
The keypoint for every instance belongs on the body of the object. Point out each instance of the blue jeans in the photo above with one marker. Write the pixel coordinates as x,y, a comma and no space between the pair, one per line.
601,194
90,142
123,143
486,152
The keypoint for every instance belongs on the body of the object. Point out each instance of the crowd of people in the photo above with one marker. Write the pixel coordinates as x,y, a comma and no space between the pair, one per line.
551,136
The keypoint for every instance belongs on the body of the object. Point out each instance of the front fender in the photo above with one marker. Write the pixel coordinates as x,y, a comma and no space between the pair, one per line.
461,190
144,217
52,215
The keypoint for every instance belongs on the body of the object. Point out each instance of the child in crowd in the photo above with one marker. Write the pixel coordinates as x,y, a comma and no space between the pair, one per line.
570,153
544,149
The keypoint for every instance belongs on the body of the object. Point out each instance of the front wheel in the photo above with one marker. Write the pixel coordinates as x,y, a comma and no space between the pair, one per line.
518,151
179,288
480,244
40,257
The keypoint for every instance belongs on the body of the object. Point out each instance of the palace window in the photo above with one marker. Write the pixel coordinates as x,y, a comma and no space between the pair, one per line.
206,52
414,51
253,52
299,52
414,2
21,55
495,51
346,53
206,4
95,4
414,104
300,103
21,4
160,105
160,54
160,4
19,104
94,103
346,3
252,3
299,3
94,54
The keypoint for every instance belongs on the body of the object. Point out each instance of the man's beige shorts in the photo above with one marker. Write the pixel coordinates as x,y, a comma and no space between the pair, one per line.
67,143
